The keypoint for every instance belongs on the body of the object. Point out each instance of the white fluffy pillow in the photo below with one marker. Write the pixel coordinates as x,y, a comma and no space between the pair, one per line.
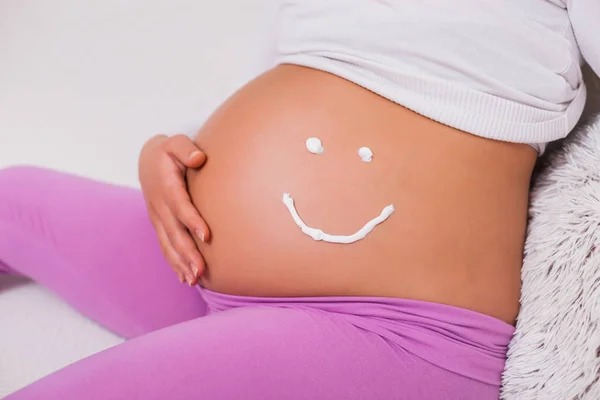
555,352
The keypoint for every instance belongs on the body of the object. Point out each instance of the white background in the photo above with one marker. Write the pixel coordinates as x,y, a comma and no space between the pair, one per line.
82,85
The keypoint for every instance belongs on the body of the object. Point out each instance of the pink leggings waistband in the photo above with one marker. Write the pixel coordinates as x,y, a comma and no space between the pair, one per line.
465,342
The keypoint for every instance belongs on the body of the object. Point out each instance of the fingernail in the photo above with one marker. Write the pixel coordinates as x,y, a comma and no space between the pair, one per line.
194,269
181,278
194,154
200,234
190,281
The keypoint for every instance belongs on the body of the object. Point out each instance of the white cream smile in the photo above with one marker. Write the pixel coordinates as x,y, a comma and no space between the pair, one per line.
318,234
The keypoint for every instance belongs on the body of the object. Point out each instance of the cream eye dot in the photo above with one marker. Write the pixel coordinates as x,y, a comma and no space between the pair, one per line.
314,145
365,154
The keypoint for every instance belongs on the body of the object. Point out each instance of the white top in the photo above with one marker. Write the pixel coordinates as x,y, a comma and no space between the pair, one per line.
502,69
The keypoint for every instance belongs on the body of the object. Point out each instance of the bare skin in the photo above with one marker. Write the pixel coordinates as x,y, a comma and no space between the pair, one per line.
456,236
162,165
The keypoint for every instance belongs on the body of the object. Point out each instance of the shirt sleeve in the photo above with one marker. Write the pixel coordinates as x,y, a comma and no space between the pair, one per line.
585,20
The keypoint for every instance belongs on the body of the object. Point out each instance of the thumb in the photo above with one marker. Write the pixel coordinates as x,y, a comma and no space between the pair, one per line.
195,160
184,150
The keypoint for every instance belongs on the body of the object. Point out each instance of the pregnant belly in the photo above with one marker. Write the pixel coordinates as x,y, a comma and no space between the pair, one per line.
460,201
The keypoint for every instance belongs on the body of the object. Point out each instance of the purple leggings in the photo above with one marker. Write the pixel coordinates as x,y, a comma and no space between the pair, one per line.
92,244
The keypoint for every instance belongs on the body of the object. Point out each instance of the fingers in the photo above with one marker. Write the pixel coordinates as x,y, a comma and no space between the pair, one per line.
170,254
184,270
188,215
179,205
184,150
182,243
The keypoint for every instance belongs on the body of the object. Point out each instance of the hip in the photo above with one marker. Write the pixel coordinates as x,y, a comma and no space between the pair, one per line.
453,349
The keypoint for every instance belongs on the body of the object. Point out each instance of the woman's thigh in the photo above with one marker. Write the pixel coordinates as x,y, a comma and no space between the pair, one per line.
92,244
256,353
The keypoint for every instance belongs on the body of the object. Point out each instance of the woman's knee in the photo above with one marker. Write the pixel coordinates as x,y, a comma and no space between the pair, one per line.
24,180
19,174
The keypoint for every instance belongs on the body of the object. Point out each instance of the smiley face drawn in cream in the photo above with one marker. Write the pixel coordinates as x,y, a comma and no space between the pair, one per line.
315,146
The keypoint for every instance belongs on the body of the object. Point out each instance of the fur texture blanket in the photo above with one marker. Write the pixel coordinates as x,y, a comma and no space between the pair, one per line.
555,352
